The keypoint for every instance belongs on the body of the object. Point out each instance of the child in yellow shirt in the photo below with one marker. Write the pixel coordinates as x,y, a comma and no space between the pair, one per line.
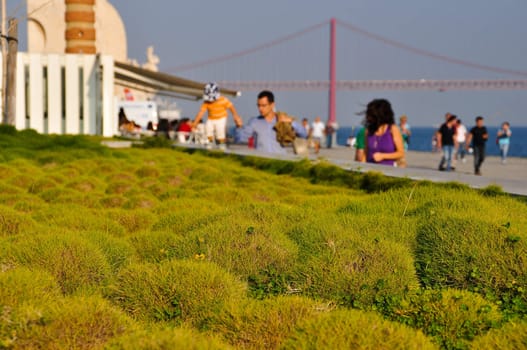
216,106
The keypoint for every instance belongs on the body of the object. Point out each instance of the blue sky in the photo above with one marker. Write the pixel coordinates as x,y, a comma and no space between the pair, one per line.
488,32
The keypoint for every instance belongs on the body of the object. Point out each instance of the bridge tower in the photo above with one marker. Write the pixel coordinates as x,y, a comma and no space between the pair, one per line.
332,113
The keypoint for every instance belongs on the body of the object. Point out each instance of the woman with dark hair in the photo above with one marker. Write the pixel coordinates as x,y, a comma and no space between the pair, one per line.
384,143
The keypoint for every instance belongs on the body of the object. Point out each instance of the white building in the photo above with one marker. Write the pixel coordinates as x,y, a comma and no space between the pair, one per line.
77,68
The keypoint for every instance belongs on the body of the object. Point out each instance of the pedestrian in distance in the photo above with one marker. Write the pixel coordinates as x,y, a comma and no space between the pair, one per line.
317,133
478,137
447,142
217,107
461,135
406,131
503,140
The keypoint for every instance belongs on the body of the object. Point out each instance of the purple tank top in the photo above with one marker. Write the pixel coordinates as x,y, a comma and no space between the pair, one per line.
383,144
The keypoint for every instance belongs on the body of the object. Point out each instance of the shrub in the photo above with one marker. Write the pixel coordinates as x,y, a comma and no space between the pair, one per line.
359,273
22,285
246,240
42,184
74,323
147,171
19,289
476,255
78,218
452,317
113,201
140,201
157,246
118,252
512,336
85,184
14,223
254,324
175,290
75,263
132,220
166,339
352,329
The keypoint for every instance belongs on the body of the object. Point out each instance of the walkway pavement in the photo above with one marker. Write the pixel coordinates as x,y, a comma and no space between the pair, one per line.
511,177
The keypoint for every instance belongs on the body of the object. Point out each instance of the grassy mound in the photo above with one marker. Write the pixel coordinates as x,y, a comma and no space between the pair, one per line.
349,329
178,290
167,339
22,285
476,255
73,323
14,223
358,274
452,318
75,263
511,337
263,324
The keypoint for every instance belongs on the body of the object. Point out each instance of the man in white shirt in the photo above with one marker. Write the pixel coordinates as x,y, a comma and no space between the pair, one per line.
317,133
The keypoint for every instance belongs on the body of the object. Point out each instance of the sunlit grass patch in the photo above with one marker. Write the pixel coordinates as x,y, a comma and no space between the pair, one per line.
253,324
165,339
175,291
112,201
242,244
13,222
117,252
157,246
453,318
76,263
351,329
76,217
359,273
512,336
73,323
25,203
19,285
476,254
132,220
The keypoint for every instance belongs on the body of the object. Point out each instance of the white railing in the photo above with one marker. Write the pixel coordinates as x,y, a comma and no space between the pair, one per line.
65,94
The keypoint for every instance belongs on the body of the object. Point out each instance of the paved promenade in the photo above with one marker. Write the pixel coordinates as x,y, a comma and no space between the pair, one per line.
511,177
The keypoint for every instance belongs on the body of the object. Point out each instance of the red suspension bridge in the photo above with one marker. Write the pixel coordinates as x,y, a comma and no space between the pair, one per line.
332,84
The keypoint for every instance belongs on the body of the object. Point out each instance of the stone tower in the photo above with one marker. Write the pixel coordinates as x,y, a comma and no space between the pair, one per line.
80,26
75,26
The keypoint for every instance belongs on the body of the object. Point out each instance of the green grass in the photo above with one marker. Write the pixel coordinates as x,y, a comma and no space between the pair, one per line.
158,248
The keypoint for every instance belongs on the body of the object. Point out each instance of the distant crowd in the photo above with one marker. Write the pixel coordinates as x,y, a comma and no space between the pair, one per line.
380,140
453,140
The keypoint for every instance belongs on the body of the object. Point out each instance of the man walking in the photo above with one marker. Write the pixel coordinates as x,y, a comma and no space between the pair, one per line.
447,141
478,136
262,128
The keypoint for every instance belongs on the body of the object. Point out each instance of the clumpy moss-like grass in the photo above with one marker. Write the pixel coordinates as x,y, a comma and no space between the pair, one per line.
350,329
266,324
210,250
76,263
73,323
167,339
176,291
